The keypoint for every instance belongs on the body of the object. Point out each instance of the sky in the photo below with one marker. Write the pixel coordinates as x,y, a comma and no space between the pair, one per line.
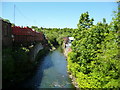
56,14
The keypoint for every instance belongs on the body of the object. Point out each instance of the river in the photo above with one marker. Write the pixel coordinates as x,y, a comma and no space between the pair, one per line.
51,73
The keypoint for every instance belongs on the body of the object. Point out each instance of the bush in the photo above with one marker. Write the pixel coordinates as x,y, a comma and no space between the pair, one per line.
94,59
16,66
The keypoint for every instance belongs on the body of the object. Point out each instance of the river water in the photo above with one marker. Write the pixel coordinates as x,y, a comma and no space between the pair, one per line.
51,73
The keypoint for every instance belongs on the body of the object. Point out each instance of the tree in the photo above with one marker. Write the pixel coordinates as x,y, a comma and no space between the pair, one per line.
104,20
34,27
7,20
85,21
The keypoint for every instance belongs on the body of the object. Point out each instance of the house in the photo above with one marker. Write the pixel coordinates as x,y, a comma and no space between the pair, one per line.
68,41
6,33
67,44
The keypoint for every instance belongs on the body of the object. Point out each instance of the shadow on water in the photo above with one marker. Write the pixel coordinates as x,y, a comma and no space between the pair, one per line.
51,73
35,81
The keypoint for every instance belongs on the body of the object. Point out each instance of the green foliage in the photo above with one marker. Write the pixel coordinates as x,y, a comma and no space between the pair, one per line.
7,64
84,21
55,35
15,66
7,20
94,60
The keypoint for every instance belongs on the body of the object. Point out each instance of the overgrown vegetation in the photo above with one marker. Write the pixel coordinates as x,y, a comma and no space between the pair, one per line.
55,35
17,65
95,60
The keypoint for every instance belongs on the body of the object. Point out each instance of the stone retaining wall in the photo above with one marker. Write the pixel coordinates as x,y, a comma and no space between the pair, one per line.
35,51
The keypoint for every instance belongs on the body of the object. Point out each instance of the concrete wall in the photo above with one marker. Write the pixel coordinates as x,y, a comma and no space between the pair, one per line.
35,51
6,34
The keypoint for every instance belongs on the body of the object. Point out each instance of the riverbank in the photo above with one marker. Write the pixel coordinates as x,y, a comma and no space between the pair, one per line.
73,79
18,64
51,72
